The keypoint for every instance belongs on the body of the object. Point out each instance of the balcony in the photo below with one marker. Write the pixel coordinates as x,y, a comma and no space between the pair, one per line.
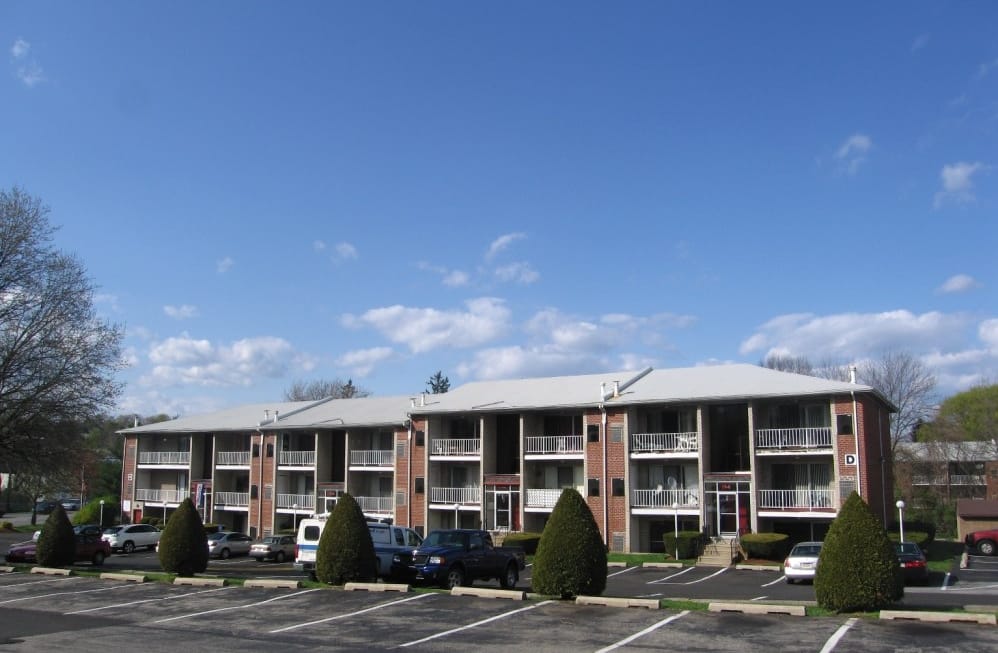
456,447
297,459
173,458
967,479
231,499
376,505
160,496
818,498
232,458
373,458
542,498
554,445
929,479
663,499
304,502
452,495
796,439
665,443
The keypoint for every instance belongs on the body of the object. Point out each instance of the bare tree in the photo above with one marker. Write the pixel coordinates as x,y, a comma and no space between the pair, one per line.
786,363
321,389
908,383
57,358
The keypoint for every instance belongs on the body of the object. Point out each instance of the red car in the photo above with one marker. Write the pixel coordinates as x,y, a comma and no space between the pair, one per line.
984,542
89,547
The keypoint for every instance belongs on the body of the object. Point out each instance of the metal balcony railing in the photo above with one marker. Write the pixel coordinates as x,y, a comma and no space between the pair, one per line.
554,444
543,498
801,499
298,458
683,497
456,447
455,495
373,458
160,496
376,504
240,458
797,438
967,479
230,499
665,442
164,457
305,502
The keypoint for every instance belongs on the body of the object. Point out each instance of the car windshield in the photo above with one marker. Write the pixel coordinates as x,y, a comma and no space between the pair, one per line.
443,538
216,536
271,540
806,551
908,548
112,530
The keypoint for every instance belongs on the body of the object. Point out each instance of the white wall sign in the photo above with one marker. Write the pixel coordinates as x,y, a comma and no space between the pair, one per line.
850,459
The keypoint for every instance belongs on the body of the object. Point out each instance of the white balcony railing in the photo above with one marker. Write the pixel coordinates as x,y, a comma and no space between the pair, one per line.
799,438
967,479
684,497
455,495
160,496
542,498
305,502
665,442
928,479
231,499
237,458
164,457
298,458
376,504
554,444
374,458
802,499
456,447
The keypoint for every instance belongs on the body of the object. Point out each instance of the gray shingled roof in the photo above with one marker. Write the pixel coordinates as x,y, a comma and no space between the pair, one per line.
342,413
239,418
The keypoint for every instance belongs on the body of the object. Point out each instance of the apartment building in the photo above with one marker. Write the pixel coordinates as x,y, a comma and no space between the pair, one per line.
724,449
952,470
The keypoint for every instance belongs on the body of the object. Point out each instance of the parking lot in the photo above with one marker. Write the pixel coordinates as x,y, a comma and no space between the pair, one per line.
40,612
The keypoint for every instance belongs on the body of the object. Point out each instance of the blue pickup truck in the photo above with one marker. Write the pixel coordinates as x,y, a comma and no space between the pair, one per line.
456,557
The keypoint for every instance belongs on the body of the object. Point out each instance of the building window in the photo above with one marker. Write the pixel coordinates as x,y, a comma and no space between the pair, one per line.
618,487
270,450
253,492
420,485
400,449
400,498
592,487
420,438
256,450
592,432
616,433
844,423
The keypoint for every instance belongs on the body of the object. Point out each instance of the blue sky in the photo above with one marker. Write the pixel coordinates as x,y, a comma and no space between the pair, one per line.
267,192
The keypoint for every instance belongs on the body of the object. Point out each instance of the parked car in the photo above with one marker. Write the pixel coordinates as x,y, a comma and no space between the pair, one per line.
984,542
45,507
456,557
275,547
802,562
128,537
388,540
913,562
70,505
89,546
225,544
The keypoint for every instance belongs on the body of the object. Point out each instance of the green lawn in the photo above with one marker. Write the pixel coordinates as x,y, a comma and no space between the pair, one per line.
941,554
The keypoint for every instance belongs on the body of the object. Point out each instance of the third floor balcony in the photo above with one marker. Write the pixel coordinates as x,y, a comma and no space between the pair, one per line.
165,458
770,441
463,447
372,458
554,445
297,459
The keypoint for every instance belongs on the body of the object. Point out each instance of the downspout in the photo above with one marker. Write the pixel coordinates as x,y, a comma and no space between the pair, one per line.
410,489
259,489
883,462
855,433
606,485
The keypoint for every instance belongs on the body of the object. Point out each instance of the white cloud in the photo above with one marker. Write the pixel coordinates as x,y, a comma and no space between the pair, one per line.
501,243
318,245
987,331
20,49
27,69
424,329
362,361
181,312
456,278
224,265
958,183
109,300
520,272
958,283
344,252
852,153
187,361
920,42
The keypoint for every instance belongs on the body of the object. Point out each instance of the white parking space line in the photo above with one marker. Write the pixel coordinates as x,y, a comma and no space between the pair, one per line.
662,580
759,598
778,580
474,625
834,639
644,632
45,596
235,607
351,614
945,581
51,580
691,582
161,598
623,571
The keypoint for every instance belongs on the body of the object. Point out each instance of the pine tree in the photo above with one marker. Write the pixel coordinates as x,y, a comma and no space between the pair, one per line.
57,542
571,556
183,547
346,551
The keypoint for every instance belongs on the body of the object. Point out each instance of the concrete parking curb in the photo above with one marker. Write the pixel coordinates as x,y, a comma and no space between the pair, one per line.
133,578
614,565
51,571
661,565
759,567
6,570
488,593
939,617
277,583
964,560
615,602
376,587
200,582
757,608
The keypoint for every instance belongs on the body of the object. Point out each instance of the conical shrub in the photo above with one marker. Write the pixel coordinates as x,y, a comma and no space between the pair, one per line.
57,543
183,547
571,556
858,568
346,551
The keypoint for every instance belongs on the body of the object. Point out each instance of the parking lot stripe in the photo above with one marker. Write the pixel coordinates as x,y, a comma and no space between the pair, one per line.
162,598
474,625
235,607
680,573
51,580
700,580
778,580
623,571
834,639
45,596
351,614
628,640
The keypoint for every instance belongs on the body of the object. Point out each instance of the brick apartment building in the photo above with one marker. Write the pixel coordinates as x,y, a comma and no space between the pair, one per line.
724,449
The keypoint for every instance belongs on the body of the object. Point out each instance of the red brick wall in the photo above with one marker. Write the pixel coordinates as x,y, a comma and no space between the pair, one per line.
269,476
594,467
875,461
419,468
402,483
128,468
616,462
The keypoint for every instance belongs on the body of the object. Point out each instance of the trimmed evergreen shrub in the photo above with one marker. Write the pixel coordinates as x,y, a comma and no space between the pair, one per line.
57,542
858,568
91,513
183,547
767,546
690,543
346,551
571,556
526,541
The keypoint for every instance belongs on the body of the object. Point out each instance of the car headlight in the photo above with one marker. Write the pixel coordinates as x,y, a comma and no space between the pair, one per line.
436,560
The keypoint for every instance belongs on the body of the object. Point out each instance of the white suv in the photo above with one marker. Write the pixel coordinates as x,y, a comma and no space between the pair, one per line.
129,537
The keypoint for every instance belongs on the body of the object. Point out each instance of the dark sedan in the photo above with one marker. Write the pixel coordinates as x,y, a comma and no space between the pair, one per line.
913,562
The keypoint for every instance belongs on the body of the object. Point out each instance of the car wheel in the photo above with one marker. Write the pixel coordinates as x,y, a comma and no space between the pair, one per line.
128,546
986,547
224,554
98,559
454,578
279,557
508,580
790,581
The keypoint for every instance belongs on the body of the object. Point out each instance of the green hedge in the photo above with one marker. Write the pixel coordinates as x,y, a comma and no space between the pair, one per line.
526,541
923,540
90,513
690,543
766,546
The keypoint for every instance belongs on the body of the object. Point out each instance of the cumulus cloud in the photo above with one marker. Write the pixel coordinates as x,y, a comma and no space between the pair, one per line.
958,182
425,329
224,265
501,243
26,68
852,153
362,361
184,360
108,300
20,49
958,283
183,312
450,278
344,252
520,272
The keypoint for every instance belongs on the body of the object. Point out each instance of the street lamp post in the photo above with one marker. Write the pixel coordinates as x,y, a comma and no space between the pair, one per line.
900,505
675,512
457,519
102,514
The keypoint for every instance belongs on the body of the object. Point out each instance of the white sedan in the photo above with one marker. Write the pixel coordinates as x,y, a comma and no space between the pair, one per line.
127,538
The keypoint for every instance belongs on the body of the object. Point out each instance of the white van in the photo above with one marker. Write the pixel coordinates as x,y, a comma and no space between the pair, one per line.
388,540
